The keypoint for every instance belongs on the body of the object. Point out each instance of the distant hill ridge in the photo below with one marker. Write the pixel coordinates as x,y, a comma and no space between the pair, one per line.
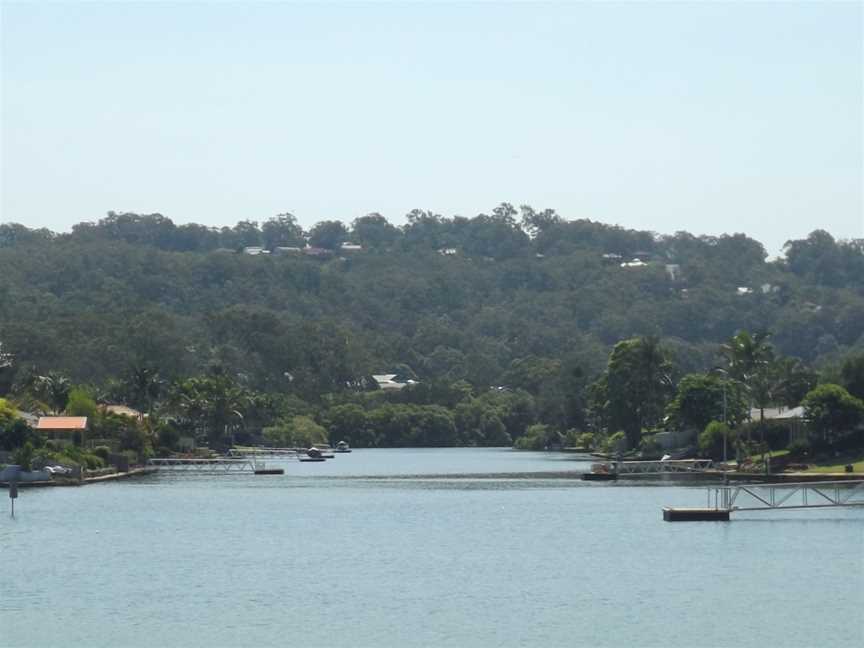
446,298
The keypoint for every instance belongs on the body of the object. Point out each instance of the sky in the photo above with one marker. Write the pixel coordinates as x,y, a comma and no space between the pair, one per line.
707,117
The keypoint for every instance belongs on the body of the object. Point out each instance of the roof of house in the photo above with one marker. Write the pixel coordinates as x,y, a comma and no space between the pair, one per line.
62,423
123,410
777,413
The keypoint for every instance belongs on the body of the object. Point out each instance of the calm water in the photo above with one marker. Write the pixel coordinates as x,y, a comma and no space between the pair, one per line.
328,556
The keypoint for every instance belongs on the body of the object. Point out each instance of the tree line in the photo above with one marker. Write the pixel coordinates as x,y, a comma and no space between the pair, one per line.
516,324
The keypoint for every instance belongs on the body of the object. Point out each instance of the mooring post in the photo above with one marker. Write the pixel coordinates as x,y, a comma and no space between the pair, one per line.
13,493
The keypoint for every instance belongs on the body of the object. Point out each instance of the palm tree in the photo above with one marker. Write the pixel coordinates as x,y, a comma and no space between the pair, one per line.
749,358
143,385
54,389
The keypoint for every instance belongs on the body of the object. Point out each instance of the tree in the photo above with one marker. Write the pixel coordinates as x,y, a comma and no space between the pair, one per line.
712,438
282,230
296,432
54,389
749,359
142,386
328,235
348,423
792,379
702,398
637,385
214,404
80,404
832,412
7,370
852,374
373,231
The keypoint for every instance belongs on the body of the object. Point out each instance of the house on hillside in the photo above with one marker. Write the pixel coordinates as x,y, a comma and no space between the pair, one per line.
65,430
123,410
792,416
388,382
317,252
348,246
287,249
635,263
255,250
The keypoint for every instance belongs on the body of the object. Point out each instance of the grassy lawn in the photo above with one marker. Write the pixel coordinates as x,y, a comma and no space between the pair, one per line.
838,468
823,465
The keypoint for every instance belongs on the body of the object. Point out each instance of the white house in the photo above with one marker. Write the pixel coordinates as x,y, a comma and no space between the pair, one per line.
387,382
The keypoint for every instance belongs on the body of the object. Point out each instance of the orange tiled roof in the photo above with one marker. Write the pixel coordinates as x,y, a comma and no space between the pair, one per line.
62,423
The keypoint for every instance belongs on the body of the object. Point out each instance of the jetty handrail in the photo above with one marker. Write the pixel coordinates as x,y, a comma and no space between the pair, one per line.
770,496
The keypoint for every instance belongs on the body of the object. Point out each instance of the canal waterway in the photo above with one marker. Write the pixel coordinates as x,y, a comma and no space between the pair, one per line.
403,548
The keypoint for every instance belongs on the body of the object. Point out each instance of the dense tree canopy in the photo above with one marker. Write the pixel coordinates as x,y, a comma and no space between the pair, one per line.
506,320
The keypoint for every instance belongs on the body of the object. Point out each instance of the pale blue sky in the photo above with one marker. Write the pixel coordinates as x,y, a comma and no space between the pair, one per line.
707,117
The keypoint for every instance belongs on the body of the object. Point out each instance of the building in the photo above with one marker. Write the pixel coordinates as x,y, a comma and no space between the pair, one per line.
387,382
287,249
348,246
792,416
123,410
63,429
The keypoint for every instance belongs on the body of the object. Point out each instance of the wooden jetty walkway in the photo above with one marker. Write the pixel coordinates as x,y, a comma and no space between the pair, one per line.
724,500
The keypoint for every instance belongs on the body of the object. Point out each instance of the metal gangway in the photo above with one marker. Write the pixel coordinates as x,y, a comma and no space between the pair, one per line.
204,465
262,451
653,467
793,495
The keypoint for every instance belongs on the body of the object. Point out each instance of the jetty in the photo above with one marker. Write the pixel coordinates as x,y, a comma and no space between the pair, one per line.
614,469
727,499
215,465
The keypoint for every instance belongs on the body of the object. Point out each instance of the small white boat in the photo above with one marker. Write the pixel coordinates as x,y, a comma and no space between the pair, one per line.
343,446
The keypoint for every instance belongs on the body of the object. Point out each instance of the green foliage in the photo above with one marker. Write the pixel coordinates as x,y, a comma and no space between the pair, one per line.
80,403
711,440
832,412
144,309
297,432
615,443
540,437
24,456
8,415
852,374
328,235
636,386
702,398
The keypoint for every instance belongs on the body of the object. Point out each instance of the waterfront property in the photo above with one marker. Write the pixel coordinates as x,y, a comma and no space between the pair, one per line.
64,430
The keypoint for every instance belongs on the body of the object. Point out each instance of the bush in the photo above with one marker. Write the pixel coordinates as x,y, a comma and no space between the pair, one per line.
800,449
615,442
102,452
649,446
92,461
24,456
711,440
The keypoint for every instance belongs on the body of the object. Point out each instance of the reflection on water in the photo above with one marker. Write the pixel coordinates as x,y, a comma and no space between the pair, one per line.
419,548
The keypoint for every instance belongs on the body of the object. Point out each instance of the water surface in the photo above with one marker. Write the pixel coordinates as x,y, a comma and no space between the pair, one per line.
420,548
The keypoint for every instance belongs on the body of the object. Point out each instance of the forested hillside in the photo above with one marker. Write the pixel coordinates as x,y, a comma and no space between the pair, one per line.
516,300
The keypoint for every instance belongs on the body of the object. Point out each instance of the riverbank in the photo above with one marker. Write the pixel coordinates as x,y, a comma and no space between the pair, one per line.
65,481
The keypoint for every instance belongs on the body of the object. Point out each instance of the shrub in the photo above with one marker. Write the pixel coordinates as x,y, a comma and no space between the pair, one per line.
800,449
102,452
615,442
711,440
